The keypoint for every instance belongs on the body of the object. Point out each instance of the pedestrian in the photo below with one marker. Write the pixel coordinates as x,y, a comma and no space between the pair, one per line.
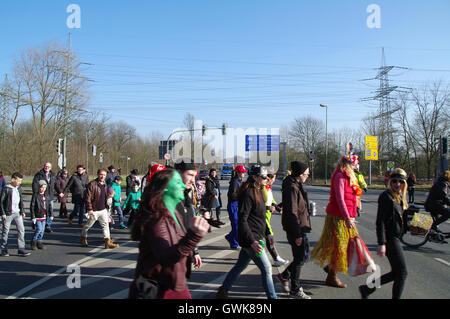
164,243
97,209
2,182
339,225
47,175
296,223
188,172
117,200
210,198
389,225
219,199
132,203
39,208
438,200
151,171
251,230
412,181
60,186
130,180
145,178
12,209
232,206
362,185
111,175
77,186
270,208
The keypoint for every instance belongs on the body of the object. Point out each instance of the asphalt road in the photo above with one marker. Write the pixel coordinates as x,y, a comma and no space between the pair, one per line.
67,270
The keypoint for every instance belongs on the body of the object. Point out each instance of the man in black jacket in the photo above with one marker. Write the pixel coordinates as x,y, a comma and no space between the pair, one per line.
438,200
77,185
12,209
47,175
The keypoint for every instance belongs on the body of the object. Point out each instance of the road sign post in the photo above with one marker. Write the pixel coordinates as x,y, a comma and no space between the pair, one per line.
371,153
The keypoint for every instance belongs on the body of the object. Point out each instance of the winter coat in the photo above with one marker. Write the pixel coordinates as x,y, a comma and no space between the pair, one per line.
389,222
165,250
438,196
251,217
295,218
51,183
77,186
60,186
208,198
233,188
132,200
2,184
117,192
6,201
93,195
37,206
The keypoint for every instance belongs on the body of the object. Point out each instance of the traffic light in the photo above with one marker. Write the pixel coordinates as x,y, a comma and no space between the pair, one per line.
444,143
204,129
224,129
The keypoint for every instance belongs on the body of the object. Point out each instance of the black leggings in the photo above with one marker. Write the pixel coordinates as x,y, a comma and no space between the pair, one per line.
394,253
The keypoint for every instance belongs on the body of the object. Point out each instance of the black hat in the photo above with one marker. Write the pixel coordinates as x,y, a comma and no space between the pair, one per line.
212,170
183,166
298,168
257,170
134,171
111,167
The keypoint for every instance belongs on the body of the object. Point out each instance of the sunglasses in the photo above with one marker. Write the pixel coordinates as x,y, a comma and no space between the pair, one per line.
395,181
264,177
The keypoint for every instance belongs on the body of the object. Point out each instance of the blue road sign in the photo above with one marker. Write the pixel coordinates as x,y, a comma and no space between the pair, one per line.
262,143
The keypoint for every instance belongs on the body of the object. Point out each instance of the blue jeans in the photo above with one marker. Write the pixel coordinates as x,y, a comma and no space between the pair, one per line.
78,208
233,214
118,209
39,232
245,255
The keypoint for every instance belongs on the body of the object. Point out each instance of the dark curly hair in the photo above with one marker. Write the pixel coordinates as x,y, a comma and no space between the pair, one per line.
152,207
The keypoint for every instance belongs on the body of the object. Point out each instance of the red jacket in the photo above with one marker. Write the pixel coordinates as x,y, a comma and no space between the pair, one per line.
342,196
165,251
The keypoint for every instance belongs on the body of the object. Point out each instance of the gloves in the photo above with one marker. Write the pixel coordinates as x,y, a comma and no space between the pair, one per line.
51,218
34,220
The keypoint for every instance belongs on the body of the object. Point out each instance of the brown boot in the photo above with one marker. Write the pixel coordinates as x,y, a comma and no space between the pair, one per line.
109,244
333,281
83,242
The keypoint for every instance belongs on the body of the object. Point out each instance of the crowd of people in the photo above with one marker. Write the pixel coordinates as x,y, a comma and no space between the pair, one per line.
169,212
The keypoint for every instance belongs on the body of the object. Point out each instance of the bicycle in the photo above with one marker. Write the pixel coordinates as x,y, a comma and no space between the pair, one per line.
415,237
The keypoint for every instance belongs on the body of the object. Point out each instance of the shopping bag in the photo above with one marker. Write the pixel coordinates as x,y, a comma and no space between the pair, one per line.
359,259
422,221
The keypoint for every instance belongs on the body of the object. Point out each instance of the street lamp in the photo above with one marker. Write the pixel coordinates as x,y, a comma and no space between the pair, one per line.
326,139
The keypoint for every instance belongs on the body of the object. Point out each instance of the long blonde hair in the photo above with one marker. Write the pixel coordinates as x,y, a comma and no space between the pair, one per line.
345,165
399,198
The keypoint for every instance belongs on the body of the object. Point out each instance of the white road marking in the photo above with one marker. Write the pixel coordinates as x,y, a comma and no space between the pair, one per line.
442,261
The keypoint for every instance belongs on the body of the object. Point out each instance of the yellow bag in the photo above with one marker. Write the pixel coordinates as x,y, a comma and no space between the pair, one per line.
422,221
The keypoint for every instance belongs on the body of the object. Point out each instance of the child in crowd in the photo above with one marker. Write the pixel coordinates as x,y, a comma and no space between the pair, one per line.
40,208
132,202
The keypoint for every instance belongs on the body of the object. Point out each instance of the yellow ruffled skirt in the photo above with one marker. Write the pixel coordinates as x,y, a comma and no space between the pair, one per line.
331,249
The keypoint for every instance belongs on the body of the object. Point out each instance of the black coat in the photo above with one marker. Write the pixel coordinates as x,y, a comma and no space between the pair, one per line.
208,198
37,206
6,201
389,222
77,185
438,196
233,188
51,183
60,186
251,217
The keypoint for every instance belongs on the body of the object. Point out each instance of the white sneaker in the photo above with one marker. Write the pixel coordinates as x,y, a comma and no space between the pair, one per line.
280,262
299,294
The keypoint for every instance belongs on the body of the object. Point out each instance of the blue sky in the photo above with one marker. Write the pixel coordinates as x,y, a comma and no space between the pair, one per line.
248,63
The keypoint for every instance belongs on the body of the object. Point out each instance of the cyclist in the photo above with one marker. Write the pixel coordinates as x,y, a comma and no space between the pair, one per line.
439,199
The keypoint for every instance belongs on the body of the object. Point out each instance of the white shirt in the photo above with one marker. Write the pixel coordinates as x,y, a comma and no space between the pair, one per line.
15,200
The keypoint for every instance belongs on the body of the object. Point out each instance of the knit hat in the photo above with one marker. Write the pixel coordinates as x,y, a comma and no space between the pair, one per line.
42,182
298,168
185,166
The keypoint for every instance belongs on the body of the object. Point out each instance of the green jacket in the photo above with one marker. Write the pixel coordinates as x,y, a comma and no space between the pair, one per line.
269,213
117,190
132,200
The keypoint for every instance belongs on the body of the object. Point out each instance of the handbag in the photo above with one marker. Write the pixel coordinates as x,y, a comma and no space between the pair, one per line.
422,221
145,288
359,259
